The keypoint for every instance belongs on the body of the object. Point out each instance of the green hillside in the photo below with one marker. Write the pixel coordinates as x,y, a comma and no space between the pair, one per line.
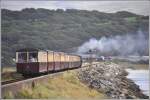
62,30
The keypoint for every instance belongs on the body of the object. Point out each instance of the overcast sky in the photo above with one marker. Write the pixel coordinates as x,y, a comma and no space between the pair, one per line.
139,7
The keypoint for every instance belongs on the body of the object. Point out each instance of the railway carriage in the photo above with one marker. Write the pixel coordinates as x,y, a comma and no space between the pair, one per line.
34,61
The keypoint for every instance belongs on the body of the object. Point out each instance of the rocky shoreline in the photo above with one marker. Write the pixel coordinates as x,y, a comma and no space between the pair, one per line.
110,79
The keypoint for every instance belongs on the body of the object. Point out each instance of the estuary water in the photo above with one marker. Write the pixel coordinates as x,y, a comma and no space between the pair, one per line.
141,78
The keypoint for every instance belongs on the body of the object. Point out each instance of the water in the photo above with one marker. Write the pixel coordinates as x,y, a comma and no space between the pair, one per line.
141,78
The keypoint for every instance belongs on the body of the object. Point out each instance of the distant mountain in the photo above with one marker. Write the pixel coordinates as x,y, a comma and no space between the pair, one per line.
62,30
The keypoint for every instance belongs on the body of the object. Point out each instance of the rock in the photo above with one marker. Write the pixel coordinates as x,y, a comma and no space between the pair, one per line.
110,79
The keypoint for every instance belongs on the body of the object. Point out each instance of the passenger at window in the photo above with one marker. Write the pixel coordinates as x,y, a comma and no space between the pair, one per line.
32,59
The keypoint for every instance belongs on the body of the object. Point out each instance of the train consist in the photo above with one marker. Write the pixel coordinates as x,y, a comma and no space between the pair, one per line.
34,61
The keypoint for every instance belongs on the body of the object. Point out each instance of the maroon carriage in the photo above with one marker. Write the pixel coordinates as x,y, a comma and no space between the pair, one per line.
31,61
34,61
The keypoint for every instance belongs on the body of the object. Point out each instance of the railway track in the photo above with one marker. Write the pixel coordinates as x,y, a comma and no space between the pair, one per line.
17,80
10,81
14,80
16,85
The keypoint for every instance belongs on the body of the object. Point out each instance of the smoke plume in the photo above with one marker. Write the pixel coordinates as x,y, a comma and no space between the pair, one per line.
129,44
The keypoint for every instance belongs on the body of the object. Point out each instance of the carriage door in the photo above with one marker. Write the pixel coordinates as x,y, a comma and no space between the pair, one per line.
21,61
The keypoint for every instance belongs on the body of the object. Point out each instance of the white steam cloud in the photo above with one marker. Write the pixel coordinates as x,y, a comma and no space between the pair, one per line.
128,44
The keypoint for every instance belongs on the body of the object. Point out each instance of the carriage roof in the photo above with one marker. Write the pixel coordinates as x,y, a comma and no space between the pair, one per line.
39,50
36,50
27,50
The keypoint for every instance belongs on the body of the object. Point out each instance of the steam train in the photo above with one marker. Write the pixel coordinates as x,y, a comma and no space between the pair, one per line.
34,61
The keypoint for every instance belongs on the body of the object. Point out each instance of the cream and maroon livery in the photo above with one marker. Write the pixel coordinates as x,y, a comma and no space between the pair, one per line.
33,61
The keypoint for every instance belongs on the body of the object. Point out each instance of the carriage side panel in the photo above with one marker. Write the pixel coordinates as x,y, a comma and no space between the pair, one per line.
50,61
57,61
42,59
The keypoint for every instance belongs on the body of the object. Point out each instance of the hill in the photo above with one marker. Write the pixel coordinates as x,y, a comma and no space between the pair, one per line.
61,30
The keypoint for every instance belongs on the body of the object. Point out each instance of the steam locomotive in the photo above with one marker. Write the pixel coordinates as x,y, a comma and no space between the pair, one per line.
34,61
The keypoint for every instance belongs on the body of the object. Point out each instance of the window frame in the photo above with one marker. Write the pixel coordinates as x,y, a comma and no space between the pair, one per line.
29,56
26,60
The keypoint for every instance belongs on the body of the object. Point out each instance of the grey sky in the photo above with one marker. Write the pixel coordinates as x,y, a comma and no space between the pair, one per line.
139,7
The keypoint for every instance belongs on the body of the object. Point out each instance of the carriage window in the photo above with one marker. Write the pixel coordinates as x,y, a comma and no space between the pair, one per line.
22,57
33,57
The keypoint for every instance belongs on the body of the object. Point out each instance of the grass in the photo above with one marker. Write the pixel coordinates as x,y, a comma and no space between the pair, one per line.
66,86
127,64
130,19
10,76
9,73
8,69
138,66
